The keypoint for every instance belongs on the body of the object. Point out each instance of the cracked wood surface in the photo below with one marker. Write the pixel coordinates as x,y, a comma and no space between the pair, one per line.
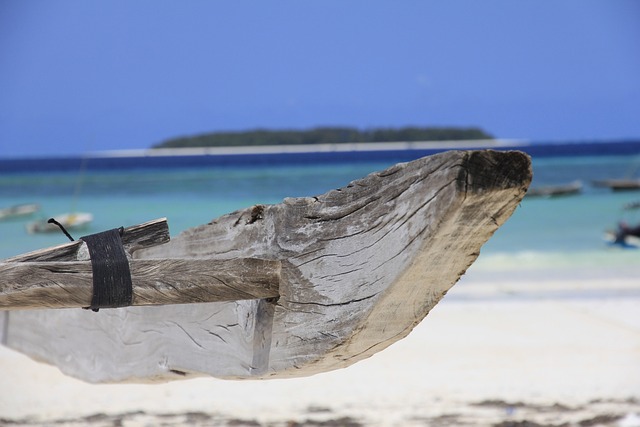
361,267
136,237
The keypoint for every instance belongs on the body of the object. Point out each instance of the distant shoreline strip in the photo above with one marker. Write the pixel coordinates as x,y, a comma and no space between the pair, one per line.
314,148
249,156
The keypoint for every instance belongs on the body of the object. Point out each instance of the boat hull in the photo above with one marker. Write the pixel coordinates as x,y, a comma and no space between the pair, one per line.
361,267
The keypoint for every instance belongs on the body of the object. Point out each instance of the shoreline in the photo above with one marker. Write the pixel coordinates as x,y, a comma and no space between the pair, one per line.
346,147
520,354
546,148
312,148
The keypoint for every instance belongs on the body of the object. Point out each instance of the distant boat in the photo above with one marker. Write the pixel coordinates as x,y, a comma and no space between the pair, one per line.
632,205
18,211
629,241
70,221
619,184
572,188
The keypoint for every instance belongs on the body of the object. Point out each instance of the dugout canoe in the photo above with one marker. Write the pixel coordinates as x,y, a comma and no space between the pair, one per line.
356,269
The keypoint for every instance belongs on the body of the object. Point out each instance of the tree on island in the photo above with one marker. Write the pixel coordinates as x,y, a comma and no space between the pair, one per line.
325,135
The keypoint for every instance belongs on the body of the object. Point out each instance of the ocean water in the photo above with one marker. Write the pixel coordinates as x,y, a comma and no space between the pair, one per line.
559,236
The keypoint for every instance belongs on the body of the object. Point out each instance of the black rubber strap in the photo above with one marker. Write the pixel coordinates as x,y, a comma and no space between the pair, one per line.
111,275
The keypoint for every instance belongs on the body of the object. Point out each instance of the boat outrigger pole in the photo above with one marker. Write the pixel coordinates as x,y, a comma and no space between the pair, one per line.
61,277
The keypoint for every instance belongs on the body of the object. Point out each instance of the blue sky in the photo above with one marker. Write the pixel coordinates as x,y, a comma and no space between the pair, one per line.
78,76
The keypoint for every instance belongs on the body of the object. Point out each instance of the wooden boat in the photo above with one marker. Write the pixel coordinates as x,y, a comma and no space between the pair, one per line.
569,189
330,280
70,221
619,184
18,211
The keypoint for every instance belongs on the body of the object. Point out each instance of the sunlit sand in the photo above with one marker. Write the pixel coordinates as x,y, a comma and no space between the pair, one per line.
490,352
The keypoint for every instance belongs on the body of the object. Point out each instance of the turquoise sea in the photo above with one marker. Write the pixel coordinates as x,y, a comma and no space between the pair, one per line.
550,236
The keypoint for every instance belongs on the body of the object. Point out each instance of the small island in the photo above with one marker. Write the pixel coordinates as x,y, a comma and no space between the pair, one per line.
325,135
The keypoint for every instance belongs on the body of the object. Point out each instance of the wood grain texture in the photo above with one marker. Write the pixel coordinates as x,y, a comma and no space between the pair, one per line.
361,266
151,233
36,285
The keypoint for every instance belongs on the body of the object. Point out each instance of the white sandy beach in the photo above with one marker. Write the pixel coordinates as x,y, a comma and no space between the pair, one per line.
548,352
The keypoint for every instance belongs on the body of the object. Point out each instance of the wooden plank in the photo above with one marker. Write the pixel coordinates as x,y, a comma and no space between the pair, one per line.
27,285
134,238
361,266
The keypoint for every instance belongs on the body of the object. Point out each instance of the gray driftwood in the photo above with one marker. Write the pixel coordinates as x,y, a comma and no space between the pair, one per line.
151,233
155,282
361,267
59,278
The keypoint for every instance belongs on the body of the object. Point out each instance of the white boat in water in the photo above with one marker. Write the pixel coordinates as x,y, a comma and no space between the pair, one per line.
18,211
70,221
